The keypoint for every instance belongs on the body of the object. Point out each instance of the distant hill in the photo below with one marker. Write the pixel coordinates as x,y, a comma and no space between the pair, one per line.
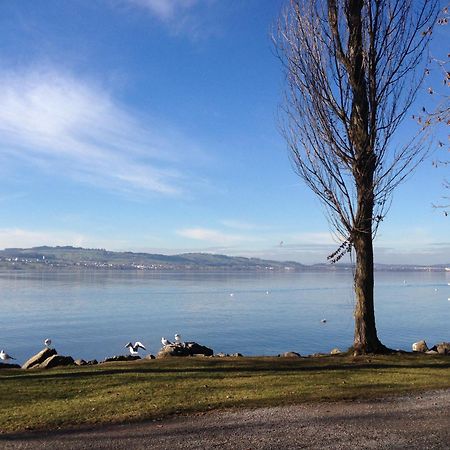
67,256
88,258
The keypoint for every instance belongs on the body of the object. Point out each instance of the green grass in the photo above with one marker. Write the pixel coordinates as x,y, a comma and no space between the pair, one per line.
133,391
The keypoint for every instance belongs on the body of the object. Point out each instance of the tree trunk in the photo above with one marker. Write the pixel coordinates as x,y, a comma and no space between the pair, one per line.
365,339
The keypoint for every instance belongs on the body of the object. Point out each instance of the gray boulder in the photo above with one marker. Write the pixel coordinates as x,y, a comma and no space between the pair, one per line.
149,356
39,358
185,349
80,362
290,355
420,347
443,348
92,362
172,350
197,349
335,351
56,361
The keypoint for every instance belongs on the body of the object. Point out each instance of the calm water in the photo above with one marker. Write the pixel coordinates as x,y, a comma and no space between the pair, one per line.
93,314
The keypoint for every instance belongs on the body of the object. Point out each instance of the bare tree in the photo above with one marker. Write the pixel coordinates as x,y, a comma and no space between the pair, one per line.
439,117
353,68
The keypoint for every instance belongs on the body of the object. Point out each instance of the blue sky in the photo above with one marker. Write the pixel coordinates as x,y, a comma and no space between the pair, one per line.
151,125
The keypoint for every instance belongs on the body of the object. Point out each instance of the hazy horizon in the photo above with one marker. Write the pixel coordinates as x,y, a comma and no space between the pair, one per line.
217,252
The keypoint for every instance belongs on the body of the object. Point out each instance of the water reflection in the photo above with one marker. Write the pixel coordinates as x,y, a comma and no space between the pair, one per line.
93,314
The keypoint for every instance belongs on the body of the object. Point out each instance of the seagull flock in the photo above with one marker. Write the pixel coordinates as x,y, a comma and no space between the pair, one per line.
132,348
165,342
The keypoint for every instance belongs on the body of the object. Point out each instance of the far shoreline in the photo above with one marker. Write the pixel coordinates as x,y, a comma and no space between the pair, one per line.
47,268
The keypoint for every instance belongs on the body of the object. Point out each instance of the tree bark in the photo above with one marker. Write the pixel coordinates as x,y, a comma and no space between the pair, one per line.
365,339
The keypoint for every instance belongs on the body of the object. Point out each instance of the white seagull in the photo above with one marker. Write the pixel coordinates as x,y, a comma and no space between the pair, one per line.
178,339
134,349
4,356
165,342
47,343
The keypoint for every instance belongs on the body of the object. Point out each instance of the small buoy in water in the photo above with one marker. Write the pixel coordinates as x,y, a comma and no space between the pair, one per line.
231,295
267,292
323,321
436,289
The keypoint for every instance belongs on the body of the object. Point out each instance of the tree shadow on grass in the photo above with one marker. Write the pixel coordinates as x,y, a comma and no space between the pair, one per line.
132,429
239,367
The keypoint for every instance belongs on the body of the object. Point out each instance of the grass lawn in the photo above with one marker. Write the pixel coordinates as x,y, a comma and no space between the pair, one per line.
132,391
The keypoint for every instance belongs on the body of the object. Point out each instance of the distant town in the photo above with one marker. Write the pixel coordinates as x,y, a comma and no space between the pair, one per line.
77,258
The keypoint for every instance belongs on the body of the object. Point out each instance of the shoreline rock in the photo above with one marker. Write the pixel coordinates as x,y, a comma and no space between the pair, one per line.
443,348
55,361
420,346
184,349
289,355
39,358
9,366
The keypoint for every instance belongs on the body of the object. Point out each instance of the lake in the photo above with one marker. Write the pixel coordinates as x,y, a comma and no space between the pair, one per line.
94,314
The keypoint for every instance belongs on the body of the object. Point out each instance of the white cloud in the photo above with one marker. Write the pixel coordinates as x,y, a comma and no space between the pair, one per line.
310,239
17,237
68,126
192,18
261,241
214,237
166,9
241,225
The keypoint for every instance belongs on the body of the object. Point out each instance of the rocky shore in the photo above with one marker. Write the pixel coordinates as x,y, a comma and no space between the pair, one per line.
49,358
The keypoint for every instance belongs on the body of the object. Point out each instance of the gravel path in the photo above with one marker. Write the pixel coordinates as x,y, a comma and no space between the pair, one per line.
417,421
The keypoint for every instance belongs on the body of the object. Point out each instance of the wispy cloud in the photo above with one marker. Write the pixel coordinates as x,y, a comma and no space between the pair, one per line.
18,237
214,237
246,239
166,10
189,18
58,122
242,225
312,239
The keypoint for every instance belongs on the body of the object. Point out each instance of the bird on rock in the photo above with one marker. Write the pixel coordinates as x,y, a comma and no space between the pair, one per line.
134,349
165,342
178,339
47,343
